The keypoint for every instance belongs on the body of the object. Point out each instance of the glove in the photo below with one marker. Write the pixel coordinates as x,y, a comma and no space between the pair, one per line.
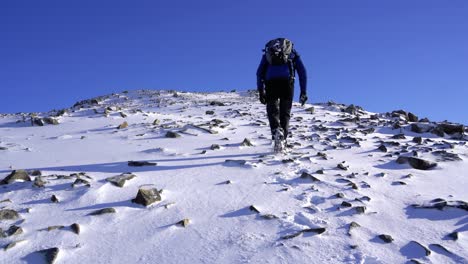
303,99
261,96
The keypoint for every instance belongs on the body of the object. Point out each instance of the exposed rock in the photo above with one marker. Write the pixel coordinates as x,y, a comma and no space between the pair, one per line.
343,166
122,114
412,117
123,125
185,222
171,134
399,136
446,156
50,121
120,180
8,214
441,204
360,209
386,238
416,163
383,148
253,208
421,128
13,231
210,112
417,140
450,128
323,155
51,228
37,121
247,143
16,175
215,147
453,236
75,228
310,110
109,210
80,181
146,197
319,230
306,175
50,254
339,195
346,204
13,244
269,216
141,163
352,225
156,122
216,103
35,172
54,199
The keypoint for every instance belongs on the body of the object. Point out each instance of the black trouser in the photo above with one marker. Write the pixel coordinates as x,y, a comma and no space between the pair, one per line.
279,97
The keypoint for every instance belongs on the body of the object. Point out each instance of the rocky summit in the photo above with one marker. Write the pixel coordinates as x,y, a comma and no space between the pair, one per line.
157,176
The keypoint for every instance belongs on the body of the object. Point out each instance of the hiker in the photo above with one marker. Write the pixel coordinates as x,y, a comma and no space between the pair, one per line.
275,84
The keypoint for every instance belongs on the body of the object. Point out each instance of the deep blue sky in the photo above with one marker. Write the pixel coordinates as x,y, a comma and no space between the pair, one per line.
382,55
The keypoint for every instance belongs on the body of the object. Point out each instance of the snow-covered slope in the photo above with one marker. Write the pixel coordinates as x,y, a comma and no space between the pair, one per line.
337,196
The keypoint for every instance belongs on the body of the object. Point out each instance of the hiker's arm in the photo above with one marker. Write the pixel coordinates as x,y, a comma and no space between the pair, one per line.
261,73
301,71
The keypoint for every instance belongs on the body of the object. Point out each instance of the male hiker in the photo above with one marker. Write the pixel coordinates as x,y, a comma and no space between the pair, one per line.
275,84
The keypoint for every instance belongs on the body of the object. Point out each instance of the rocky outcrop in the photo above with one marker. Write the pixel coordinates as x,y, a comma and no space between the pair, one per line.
146,197
417,163
16,175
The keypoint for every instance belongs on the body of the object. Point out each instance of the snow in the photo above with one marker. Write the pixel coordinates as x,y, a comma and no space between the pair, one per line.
222,227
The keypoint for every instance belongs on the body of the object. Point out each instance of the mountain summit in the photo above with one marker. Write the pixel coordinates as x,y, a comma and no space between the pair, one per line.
175,177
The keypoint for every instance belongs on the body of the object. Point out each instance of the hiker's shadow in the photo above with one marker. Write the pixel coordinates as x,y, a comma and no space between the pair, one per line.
122,166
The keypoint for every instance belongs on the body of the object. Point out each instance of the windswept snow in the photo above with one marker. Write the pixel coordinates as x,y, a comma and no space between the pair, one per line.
334,197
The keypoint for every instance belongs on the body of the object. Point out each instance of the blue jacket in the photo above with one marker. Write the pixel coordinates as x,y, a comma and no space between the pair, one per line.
267,72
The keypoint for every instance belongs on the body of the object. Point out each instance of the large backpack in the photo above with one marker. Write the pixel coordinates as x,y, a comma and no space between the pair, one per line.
277,51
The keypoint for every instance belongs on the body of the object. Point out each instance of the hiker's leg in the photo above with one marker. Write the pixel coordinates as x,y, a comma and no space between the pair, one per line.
272,106
285,105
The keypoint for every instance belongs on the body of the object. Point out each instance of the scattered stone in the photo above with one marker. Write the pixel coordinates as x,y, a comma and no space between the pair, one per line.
141,163
51,228
246,143
171,134
292,235
75,228
80,181
146,197
16,175
417,163
383,148
386,238
13,231
399,136
122,114
412,117
156,122
253,208
346,204
120,180
441,204
306,175
210,112
35,173
320,172
216,103
123,125
185,222
399,183
39,182
54,199
322,155
13,244
109,210
269,216
453,236
360,209
50,254
319,230
417,140
352,225
446,156
339,195
8,214
342,166
215,147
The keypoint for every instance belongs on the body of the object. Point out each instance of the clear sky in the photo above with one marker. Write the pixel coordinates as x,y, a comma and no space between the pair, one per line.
382,55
